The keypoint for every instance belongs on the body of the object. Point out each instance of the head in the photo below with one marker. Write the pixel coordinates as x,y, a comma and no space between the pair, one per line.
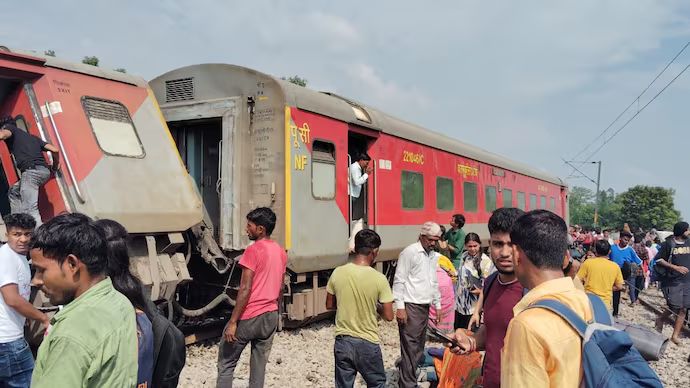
602,248
364,160
20,227
260,223
681,230
457,221
7,121
429,236
473,244
606,233
539,246
69,254
500,244
118,264
624,239
443,232
367,243
640,238
648,243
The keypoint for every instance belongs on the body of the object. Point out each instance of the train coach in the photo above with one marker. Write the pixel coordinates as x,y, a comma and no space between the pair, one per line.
249,139
118,160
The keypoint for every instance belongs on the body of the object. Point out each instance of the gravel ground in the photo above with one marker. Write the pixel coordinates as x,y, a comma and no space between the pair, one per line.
304,358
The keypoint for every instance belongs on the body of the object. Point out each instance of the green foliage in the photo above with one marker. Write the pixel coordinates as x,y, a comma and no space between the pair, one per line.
93,61
648,207
581,206
49,53
297,80
121,70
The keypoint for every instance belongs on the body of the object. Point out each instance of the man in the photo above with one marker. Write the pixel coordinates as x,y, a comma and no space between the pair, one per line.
501,293
456,239
541,349
621,254
359,174
15,289
255,316
28,151
355,291
93,339
600,275
637,280
607,236
415,287
675,256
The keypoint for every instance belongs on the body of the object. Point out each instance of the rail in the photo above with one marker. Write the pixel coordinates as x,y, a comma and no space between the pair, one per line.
63,151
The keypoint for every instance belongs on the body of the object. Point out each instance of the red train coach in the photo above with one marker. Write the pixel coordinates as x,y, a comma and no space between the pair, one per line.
117,158
250,139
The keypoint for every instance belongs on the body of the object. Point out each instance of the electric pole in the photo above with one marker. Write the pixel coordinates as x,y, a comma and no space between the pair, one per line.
596,200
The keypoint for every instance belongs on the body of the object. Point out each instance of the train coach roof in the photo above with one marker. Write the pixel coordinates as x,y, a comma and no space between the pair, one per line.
82,68
332,105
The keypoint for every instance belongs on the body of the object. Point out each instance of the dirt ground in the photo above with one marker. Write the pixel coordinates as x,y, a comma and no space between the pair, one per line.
304,358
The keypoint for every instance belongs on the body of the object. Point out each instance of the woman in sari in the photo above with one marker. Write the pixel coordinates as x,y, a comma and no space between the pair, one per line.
475,268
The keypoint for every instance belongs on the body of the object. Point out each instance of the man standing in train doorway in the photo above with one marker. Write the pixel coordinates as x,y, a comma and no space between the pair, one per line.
28,151
358,175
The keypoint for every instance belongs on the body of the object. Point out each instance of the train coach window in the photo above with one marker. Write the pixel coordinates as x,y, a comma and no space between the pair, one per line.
470,196
444,193
113,127
542,204
490,198
552,204
532,201
412,190
521,200
507,198
323,170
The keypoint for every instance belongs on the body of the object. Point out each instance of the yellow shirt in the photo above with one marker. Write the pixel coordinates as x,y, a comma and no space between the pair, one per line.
599,275
540,349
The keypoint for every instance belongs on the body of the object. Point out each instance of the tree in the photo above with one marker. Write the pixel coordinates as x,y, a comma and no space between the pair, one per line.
93,61
297,80
581,206
49,53
121,70
647,207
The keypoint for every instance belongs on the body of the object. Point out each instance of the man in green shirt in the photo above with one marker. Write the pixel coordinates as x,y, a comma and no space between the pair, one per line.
456,239
92,341
359,293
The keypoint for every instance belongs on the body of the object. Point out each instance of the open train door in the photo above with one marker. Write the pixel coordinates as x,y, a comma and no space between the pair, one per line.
362,208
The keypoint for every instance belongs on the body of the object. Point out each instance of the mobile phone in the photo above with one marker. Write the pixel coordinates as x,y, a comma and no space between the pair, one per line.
443,336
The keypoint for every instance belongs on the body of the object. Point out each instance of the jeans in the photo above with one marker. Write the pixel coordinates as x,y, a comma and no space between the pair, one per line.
23,195
635,284
354,355
16,364
259,332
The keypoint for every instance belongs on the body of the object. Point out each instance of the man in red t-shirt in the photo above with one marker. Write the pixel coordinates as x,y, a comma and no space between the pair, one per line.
502,292
255,316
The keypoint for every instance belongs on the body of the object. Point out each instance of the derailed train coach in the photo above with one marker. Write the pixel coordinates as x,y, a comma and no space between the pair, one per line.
249,139
118,160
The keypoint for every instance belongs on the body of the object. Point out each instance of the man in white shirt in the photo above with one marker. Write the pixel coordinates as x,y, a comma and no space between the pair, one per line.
359,174
15,289
415,287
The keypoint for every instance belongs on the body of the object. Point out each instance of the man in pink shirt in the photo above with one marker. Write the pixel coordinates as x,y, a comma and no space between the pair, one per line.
255,316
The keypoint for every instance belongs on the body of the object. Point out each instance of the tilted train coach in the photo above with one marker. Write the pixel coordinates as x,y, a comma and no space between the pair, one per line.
249,139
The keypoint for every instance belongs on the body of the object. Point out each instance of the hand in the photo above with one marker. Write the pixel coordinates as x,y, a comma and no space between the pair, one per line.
465,343
475,291
439,317
682,270
230,331
474,320
401,316
369,170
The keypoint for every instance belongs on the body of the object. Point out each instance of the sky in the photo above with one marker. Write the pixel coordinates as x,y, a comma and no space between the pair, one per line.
535,81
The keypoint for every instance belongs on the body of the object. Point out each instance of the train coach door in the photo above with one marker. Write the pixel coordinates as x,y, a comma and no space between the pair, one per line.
362,196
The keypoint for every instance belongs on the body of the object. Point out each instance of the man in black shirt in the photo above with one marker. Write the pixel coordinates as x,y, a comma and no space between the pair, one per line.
28,151
674,254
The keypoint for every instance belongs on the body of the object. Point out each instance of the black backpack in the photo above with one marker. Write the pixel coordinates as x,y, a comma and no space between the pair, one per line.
168,352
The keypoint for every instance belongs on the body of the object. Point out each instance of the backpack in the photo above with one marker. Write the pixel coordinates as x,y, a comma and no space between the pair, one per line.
609,359
659,273
168,352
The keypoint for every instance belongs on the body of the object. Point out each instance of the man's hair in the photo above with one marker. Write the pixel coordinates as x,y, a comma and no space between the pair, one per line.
363,156
459,219
7,121
602,247
263,216
20,221
366,241
73,234
680,228
543,236
625,234
502,220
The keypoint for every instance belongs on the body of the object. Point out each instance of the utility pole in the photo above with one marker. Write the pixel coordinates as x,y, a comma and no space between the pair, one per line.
596,201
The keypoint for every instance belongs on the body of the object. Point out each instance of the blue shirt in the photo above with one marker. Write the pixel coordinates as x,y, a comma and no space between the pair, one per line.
621,255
